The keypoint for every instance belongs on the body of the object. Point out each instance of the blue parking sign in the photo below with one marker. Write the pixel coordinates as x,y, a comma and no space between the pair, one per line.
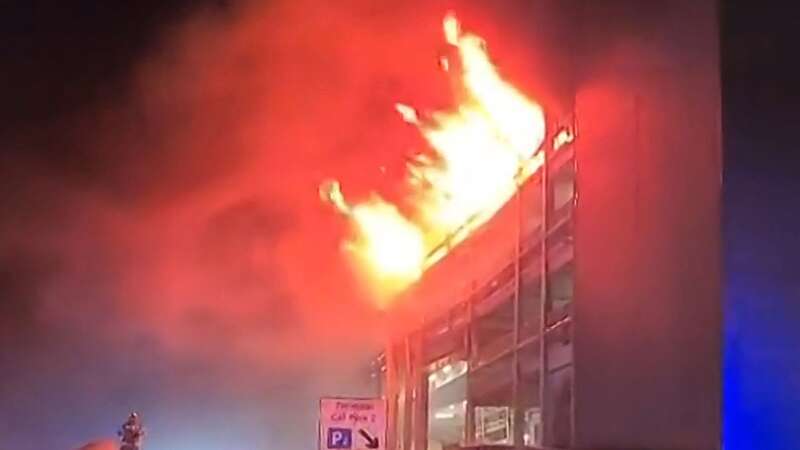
340,438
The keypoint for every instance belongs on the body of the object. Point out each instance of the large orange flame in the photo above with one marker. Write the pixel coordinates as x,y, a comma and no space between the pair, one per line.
483,149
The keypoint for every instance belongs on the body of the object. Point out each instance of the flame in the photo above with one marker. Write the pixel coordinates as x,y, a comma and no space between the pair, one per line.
392,243
389,242
483,149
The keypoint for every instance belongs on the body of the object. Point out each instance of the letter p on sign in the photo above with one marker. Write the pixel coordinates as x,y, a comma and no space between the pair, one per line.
340,438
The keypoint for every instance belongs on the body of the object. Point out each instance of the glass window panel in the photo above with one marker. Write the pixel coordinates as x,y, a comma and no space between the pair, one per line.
490,392
447,397
560,292
562,187
529,394
530,308
493,332
531,196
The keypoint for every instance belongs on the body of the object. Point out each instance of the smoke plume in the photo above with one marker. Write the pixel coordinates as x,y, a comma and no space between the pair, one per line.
163,246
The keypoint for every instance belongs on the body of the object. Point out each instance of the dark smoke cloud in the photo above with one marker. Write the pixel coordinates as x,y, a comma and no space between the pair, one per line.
163,247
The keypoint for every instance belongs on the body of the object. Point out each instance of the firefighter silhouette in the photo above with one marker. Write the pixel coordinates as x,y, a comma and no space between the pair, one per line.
131,433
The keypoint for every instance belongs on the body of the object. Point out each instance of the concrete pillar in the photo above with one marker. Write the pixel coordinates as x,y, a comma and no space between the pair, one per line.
647,332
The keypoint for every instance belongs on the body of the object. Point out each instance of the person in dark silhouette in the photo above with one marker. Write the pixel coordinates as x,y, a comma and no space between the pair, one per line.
131,433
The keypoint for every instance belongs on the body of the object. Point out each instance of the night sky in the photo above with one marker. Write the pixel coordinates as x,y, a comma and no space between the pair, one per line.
158,216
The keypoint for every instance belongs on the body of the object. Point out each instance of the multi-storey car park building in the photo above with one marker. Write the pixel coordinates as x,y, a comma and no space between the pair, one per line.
586,313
